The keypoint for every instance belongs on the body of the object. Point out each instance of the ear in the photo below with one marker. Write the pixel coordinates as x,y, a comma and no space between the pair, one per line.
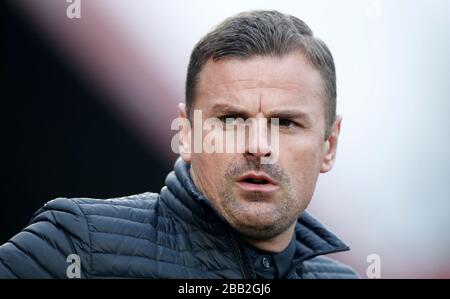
330,146
185,133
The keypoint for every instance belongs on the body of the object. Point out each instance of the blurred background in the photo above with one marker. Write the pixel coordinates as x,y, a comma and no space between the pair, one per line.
87,105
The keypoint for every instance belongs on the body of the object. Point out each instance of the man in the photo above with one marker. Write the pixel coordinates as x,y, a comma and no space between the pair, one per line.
221,214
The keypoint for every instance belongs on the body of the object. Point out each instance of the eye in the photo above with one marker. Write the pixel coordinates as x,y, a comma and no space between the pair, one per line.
228,119
286,123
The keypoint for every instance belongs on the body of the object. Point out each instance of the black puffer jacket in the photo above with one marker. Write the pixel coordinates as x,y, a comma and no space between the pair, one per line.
172,235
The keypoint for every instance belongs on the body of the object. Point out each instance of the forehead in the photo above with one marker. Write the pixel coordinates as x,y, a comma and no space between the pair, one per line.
260,80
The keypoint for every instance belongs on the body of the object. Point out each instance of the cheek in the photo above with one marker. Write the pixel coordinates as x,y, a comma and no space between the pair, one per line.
209,170
301,159
202,166
305,149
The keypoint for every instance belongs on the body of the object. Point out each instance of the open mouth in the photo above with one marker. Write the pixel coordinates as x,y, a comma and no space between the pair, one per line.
257,182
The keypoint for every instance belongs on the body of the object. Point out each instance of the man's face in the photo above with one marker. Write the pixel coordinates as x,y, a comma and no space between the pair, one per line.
290,89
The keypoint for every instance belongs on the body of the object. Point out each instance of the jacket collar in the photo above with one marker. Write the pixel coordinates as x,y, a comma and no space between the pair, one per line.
184,199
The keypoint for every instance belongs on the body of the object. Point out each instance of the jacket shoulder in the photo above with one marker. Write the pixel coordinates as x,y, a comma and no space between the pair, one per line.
323,267
77,216
67,226
40,250
145,200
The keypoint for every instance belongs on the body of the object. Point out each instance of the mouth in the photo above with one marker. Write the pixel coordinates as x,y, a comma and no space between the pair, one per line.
257,182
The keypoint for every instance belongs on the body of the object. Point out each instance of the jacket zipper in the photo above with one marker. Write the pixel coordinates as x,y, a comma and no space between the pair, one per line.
239,255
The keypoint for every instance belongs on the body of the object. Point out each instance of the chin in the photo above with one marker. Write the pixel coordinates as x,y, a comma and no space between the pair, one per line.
258,233
254,228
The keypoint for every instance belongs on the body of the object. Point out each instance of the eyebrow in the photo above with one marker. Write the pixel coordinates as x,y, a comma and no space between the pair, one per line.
289,114
225,108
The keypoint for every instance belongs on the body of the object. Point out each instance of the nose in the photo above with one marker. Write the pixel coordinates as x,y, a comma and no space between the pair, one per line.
258,145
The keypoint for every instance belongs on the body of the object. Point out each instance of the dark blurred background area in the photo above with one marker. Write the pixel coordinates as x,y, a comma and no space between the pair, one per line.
59,139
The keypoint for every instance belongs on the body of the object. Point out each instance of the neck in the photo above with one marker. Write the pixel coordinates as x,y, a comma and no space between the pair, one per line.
275,244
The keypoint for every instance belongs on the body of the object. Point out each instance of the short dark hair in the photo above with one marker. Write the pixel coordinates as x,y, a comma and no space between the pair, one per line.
266,33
